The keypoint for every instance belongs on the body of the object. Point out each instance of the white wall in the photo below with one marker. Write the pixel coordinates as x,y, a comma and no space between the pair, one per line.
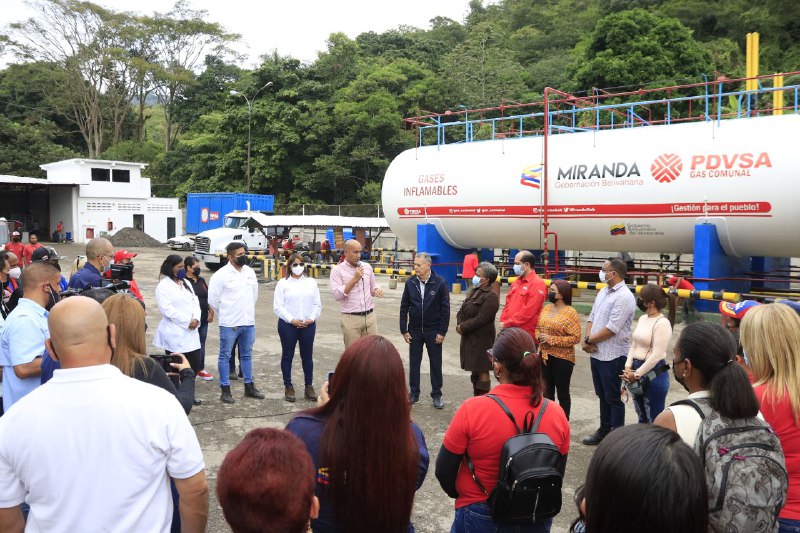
97,213
63,206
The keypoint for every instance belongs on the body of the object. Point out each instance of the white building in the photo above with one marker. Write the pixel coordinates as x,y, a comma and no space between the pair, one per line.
96,198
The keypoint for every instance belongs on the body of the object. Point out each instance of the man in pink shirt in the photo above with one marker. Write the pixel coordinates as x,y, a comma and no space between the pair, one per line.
353,285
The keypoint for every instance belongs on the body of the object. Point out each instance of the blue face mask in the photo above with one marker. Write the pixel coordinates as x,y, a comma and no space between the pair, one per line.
746,359
517,270
476,281
180,274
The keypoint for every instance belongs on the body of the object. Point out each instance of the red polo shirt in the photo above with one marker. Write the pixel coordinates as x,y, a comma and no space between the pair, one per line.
28,251
684,284
469,267
17,248
524,302
480,427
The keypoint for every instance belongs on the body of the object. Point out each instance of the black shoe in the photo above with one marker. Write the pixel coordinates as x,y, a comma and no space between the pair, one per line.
251,391
413,398
197,402
438,403
226,396
596,438
232,376
240,372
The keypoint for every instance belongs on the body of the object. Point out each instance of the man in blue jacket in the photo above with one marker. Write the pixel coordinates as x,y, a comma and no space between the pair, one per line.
424,317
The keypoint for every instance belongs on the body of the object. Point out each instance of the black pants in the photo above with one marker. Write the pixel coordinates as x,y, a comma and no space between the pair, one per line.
232,360
557,374
427,340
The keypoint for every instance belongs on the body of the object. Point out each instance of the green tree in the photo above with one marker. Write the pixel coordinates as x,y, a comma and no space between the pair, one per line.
24,147
636,47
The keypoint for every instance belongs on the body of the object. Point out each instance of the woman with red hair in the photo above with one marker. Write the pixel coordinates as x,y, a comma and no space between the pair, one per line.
369,456
266,484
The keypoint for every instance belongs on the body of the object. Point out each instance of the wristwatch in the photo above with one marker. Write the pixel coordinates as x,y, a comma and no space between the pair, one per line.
587,341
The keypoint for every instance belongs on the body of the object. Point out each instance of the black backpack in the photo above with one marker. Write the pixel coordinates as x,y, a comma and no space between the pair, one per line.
745,471
529,482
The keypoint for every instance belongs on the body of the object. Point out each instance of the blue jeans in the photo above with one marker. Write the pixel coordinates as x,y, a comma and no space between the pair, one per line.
290,336
246,335
788,526
428,340
477,518
607,383
649,405
203,331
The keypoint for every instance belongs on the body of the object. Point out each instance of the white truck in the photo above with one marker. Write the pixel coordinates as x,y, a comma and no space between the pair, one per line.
254,236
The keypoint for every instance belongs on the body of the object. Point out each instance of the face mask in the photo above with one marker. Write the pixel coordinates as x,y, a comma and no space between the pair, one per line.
476,281
241,261
679,379
297,269
517,270
746,359
196,271
602,276
53,299
641,305
108,266
16,239
551,296
15,272
180,274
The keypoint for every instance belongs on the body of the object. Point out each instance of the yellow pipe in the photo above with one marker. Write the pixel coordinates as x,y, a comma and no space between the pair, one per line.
755,60
777,96
748,84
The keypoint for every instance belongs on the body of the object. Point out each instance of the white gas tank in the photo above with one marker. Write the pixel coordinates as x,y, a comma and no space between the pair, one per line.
637,189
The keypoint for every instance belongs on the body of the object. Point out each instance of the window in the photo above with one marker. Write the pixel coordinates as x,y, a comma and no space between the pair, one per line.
121,176
101,174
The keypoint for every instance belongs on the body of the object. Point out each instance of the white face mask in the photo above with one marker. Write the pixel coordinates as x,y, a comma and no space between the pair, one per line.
602,276
15,272
298,269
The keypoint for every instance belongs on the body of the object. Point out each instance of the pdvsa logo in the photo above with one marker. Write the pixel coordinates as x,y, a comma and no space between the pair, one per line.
666,168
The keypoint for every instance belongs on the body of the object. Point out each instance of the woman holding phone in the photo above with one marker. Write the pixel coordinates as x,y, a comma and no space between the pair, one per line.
298,306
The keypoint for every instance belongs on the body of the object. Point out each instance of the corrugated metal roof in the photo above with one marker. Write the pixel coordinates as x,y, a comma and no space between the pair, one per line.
19,180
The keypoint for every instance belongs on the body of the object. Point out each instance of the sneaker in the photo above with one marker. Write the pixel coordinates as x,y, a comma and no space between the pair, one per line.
205,376
438,403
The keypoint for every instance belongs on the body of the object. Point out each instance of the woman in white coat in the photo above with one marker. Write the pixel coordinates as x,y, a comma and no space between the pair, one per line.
180,314
298,306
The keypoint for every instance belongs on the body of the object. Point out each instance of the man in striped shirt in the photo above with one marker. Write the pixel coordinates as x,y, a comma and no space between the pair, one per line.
608,339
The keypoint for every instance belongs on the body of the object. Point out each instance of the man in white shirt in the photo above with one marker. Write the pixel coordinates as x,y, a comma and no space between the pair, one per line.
232,294
92,449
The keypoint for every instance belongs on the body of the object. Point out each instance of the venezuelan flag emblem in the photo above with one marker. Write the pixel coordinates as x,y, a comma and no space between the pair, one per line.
532,176
618,229
323,476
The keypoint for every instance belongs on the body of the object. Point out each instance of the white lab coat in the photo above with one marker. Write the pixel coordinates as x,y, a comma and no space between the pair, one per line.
178,305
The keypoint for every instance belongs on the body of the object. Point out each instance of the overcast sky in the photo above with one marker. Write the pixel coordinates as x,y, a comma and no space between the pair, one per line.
298,28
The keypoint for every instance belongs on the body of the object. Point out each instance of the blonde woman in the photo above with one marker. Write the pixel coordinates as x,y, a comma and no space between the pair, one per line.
770,338
127,314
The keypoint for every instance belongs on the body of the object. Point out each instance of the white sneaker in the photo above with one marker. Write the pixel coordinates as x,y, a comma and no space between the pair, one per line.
205,376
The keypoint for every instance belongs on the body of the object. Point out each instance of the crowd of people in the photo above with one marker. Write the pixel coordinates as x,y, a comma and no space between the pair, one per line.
727,458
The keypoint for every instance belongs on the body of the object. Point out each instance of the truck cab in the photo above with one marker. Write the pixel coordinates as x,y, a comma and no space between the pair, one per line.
251,228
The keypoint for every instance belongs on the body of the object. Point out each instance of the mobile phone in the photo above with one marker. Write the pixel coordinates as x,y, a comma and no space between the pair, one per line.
166,360
330,379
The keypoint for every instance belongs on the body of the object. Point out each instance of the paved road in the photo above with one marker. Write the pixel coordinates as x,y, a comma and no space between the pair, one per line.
220,427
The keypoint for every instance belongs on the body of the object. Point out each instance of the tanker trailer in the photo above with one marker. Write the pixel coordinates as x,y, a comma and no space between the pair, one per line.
639,189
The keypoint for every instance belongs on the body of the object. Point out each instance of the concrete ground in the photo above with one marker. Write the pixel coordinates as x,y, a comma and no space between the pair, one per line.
220,427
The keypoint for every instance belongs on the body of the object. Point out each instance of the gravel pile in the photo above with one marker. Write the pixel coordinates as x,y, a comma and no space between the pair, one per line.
134,238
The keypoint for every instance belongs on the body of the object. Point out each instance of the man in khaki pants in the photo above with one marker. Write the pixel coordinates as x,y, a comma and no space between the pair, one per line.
353,285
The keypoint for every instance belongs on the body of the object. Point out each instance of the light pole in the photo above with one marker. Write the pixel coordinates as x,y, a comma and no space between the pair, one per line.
249,122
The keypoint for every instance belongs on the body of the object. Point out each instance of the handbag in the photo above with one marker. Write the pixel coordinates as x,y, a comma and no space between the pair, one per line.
640,386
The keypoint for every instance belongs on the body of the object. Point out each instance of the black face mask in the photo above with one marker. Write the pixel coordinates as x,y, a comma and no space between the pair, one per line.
53,299
16,239
678,378
641,305
196,271
241,260
551,296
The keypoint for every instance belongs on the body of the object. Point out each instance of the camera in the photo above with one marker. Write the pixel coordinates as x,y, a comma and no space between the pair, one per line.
166,360
121,272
